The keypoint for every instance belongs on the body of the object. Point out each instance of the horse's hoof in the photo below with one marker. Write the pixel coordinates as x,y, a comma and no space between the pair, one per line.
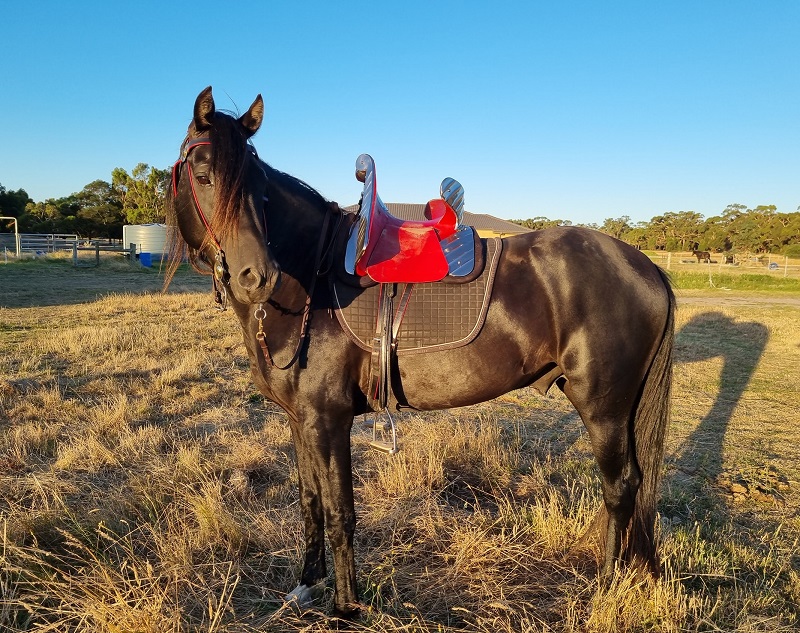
350,611
303,596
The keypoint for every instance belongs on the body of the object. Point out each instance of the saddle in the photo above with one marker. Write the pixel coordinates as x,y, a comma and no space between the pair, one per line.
438,260
388,249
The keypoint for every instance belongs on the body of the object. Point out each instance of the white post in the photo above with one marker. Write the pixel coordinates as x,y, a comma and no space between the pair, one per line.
16,231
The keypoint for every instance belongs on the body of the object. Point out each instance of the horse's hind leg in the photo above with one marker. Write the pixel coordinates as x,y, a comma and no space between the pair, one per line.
620,483
613,449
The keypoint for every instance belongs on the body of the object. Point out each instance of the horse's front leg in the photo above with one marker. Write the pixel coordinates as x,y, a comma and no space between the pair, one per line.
322,443
314,567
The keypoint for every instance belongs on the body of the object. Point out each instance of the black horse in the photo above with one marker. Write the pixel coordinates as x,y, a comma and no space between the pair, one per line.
570,306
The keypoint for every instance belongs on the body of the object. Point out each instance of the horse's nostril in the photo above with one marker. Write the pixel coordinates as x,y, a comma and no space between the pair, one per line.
251,279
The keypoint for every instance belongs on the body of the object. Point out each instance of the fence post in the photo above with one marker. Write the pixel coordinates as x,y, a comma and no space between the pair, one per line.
74,253
97,254
131,253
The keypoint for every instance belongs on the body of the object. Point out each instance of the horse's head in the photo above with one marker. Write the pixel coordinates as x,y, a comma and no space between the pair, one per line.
218,195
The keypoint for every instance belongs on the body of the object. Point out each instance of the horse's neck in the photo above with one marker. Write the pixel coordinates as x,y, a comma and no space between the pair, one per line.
300,242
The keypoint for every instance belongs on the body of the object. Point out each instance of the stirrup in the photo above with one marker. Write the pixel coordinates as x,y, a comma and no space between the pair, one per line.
381,444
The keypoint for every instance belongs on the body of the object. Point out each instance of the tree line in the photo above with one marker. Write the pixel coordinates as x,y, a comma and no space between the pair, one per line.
737,230
101,208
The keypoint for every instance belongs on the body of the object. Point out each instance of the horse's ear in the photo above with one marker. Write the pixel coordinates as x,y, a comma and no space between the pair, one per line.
204,110
251,120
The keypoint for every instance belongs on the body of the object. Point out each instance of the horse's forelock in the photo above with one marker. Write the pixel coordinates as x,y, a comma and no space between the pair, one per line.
228,156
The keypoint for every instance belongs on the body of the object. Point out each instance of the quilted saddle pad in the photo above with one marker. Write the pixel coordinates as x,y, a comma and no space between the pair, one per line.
438,316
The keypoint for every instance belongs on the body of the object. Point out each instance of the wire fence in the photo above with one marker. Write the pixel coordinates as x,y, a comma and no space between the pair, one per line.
718,263
83,252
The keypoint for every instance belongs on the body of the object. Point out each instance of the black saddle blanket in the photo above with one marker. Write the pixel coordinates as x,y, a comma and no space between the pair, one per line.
438,315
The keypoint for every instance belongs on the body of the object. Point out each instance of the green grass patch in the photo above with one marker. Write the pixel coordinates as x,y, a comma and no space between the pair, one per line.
742,281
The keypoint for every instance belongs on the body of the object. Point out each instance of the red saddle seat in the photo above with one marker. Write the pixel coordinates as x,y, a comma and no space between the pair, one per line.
391,250
407,251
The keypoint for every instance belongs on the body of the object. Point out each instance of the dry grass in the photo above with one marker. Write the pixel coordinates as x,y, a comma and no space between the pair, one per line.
146,487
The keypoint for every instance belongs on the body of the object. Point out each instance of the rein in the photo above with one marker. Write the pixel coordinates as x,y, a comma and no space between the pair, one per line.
260,314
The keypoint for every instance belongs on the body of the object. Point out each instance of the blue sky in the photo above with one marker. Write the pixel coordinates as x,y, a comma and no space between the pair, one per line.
573,110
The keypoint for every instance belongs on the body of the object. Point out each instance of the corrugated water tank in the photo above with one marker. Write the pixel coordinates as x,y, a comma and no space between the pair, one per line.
148,238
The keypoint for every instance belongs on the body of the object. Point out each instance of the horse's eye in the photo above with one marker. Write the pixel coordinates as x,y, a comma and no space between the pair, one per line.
203,179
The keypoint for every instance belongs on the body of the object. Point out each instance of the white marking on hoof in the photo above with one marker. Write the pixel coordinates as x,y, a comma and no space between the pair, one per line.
304,596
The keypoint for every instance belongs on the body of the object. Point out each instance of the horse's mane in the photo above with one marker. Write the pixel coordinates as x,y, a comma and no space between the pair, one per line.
293,186
295,211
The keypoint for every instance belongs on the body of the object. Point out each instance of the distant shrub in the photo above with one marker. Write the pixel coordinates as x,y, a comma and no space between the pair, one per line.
792,250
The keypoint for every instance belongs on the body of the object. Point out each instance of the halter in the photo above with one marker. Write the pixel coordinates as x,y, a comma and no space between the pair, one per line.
220,268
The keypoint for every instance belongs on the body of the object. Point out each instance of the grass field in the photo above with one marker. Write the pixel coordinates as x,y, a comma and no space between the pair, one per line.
145,486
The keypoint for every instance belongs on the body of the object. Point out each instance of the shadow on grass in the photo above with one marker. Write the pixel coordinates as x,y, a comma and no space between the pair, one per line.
698,464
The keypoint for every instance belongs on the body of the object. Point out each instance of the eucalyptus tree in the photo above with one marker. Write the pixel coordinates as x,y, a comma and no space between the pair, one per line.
142,192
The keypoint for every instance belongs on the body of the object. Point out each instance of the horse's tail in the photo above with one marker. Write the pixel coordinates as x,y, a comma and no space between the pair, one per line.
649,431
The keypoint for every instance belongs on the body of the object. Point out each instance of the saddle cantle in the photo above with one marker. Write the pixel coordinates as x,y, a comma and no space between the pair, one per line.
388,249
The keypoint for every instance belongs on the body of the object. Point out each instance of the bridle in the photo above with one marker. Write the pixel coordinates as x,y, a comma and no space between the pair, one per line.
220,269
220,275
